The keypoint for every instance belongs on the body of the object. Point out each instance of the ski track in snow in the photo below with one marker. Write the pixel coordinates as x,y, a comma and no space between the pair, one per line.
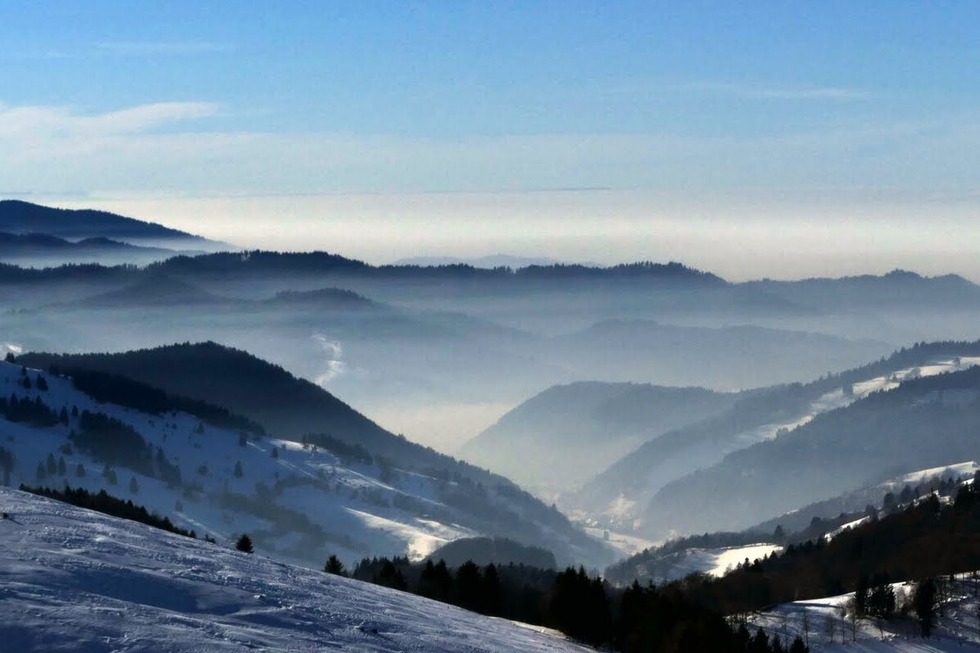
76,580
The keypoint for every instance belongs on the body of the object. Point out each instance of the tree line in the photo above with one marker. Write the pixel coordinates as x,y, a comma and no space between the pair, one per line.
582,606
107,504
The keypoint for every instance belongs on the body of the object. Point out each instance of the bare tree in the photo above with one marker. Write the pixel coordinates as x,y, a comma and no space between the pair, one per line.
830,627
806,628
843,613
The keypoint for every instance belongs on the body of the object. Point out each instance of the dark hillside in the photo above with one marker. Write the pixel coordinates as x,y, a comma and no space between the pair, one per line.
23,217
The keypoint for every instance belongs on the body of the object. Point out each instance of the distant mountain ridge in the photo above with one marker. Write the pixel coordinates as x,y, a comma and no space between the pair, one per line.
19,217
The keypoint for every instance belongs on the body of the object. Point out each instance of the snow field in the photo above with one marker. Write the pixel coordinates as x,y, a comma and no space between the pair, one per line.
75,580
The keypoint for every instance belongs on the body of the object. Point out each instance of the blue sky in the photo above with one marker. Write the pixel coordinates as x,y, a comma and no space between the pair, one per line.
593,130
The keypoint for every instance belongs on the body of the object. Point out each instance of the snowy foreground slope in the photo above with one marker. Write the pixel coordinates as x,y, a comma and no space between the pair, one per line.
75,580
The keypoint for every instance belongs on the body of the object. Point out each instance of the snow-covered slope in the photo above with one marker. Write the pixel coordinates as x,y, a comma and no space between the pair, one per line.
300,503
856,501
831,627
75,580
719,561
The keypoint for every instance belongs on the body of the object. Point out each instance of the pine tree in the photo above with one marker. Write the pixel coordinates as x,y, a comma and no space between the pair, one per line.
244,544
390,576
492,591
334,566
924,604
468,586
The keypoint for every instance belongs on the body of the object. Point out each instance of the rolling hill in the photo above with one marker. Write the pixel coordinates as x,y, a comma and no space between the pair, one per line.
324,471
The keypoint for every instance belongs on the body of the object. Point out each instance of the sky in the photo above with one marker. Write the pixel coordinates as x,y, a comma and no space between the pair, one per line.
779,139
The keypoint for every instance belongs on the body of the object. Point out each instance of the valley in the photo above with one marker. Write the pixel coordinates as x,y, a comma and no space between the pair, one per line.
221,402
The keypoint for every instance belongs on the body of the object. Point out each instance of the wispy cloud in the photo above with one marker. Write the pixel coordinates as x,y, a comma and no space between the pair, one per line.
767,92
161,48
60,123
147,149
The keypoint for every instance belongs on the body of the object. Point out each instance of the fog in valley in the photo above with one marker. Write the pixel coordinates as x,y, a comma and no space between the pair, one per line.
473,326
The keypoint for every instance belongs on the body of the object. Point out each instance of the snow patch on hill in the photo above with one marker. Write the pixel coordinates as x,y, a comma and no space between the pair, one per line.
846,396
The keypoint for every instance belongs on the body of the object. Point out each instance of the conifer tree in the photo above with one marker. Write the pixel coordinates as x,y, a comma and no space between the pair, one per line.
924,604
244,544
334,566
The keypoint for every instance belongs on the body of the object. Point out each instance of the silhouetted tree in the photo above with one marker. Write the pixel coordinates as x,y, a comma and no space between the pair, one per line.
390,576
468,588
924,604
435,581
334,566
244,544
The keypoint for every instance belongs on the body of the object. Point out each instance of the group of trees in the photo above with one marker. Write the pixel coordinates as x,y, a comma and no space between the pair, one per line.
582,606
925,540
51,468
109,505
124,391
33,412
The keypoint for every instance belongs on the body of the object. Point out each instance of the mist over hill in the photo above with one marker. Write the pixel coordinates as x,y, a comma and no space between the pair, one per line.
583,427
